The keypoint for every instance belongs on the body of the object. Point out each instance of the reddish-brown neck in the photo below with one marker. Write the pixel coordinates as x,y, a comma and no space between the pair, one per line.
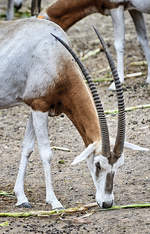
67,12
70,95
78,105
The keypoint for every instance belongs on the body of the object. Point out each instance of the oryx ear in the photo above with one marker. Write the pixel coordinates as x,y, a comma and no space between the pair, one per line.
85,154
130,145
134,147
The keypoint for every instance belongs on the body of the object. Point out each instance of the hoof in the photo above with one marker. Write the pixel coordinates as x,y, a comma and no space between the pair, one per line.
25,205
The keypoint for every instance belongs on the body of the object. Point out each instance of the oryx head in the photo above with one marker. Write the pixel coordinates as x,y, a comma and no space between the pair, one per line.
102,161
103,170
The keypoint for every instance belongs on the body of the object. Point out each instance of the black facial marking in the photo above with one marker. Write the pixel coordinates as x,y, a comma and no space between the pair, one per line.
52,106
109,182
98,168
59,103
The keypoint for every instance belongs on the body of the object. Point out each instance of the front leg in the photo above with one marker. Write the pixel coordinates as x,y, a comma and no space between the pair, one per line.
119,41
10,10
140,27
35,7
27,149
40,122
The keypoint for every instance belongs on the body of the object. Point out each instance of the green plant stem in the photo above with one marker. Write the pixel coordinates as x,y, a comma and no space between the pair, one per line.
106,78
146,106
6,194
4,224
69,210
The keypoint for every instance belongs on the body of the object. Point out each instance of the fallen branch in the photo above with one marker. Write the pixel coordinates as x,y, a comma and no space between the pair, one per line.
69,210
131,75
60,148
146,106
134,75
4,224
90,54
45,213
140,63
77,220
107,69
6,194
103,79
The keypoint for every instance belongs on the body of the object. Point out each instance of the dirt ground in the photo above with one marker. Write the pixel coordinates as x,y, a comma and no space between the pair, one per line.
73,185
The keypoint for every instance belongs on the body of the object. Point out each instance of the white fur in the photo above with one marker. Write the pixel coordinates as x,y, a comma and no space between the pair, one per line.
92,158
30,62
27,148
99,182
36,126
17,50
101,195
85,154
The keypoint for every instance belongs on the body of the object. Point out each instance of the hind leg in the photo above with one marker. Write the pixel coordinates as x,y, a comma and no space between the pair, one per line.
27,149
10,10
40,122
140,27
119,41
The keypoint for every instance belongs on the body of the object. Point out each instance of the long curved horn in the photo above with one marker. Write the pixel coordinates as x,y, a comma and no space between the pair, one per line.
119,144
97,101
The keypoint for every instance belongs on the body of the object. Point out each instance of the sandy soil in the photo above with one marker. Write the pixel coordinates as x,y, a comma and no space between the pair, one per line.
74,185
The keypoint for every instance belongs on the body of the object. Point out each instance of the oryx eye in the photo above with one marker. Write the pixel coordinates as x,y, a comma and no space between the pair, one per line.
98,168
98,165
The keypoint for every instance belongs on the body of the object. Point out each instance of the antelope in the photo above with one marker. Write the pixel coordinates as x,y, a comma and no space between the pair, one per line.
42,74
67,13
